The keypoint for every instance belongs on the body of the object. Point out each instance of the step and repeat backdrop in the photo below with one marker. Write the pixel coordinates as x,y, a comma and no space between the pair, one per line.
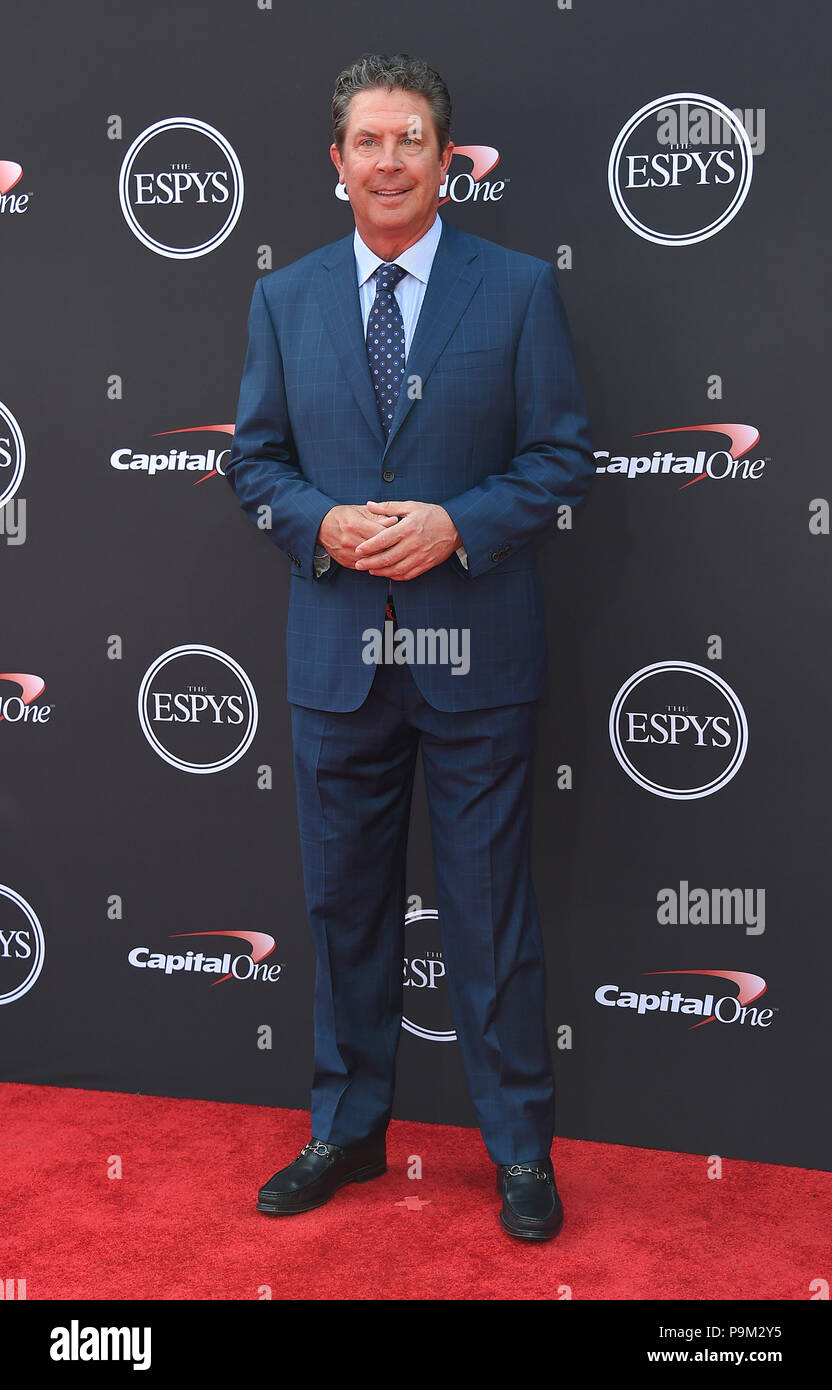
671,163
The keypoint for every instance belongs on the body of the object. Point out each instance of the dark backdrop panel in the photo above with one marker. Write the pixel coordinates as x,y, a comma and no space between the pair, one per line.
113,848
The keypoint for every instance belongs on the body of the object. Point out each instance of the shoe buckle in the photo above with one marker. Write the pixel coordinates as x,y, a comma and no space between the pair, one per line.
517,1168
320,1148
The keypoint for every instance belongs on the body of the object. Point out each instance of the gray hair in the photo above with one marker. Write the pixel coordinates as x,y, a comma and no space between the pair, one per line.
399,71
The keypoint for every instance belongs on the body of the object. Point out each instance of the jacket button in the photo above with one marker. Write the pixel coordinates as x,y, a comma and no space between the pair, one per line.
388,475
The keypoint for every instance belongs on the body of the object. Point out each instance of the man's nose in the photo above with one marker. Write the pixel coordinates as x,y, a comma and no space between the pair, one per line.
390,156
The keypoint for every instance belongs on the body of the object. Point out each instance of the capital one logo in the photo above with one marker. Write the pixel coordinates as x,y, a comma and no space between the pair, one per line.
207,464
181,188
472,186
677,194
10,175
22,947
678,730
21,707
197,708
426,1011
466,185
229,967
731,464
12,455
740,1008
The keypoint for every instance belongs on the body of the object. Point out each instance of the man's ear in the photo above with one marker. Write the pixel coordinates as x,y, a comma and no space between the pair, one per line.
337,161
445,157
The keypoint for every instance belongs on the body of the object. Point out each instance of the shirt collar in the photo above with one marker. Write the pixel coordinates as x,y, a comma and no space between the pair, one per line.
416,260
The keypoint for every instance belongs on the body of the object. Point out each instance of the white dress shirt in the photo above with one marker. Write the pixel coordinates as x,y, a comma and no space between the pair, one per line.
410,292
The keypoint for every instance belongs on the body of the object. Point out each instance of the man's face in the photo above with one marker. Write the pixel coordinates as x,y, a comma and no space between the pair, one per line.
391,166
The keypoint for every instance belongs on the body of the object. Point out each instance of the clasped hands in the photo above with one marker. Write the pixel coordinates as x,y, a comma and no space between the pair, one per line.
398,540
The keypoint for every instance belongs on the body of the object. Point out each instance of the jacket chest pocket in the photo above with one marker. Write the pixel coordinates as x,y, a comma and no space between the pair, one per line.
474,362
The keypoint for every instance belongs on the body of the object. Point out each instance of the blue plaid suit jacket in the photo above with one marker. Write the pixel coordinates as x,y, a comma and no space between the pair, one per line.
490,423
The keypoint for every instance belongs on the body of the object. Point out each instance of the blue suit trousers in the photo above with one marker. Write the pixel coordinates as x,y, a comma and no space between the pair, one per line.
354,778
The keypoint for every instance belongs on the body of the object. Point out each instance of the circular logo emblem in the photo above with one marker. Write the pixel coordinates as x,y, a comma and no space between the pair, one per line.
12,455
680,169
197,709
22,947
181,188
427,1010
678,730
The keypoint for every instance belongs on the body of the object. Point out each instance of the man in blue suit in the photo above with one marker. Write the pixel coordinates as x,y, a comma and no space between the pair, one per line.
410,422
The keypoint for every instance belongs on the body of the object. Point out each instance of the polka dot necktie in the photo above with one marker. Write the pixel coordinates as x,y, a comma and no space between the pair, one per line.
386,356
385,342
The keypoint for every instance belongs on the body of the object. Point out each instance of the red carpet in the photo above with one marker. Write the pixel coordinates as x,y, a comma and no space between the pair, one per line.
180,1222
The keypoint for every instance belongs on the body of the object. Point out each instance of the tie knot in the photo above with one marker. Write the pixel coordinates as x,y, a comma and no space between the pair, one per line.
388,275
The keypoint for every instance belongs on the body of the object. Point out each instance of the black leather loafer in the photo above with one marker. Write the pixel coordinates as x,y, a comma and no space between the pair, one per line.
532,1209
317,1173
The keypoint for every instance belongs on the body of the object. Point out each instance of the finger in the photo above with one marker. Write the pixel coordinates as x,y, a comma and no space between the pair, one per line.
400,572
380,555
388,507
371,526
392,555
377,518
382,540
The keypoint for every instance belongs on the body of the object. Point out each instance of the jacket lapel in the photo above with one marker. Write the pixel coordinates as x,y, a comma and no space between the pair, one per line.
454,276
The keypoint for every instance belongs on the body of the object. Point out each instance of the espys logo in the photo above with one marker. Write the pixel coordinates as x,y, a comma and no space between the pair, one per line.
727,1009
227,966
427,1011
10,176
20,708
678,730
181,188
22,947
197,708
12,455
719,464
676,180
467,186
208,464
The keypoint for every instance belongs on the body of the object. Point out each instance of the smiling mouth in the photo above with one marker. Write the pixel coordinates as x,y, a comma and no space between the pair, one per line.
389,193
